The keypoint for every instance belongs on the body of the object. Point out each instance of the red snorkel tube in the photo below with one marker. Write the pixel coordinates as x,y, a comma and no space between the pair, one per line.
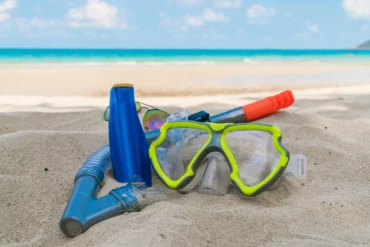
247,113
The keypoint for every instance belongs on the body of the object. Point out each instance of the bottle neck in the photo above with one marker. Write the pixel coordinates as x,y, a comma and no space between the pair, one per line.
122,95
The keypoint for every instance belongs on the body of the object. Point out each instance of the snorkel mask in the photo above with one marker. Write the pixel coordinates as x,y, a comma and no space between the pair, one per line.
249,156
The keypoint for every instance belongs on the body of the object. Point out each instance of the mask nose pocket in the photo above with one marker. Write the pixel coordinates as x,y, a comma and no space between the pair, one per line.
212,177
216,177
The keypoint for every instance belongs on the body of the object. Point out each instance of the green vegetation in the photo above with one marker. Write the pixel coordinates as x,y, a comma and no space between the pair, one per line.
365,45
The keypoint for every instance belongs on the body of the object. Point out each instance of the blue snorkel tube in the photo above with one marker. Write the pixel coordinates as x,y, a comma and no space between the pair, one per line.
85,210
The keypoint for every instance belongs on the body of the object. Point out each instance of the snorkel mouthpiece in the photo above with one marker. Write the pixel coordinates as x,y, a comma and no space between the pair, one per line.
84,209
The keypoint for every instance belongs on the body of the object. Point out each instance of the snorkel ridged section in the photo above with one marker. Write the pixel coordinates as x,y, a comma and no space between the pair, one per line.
83,210
97,165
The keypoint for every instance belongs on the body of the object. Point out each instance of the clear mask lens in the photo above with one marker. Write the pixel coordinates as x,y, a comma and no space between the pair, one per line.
254,154
180,146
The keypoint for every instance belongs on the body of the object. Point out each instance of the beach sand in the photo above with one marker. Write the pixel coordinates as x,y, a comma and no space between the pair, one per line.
44,141
177,80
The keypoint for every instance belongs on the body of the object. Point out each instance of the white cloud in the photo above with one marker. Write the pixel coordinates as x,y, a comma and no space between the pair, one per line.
194,20
167,22
258,13
313,27
6,6
302,35
188,2
189,20
95,13
101,13
227,4
210,15
288,14
76,24
24,23
4,16
41,23
357,9
76,14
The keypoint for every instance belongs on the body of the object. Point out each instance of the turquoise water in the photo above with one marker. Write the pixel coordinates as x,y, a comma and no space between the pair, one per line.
137,56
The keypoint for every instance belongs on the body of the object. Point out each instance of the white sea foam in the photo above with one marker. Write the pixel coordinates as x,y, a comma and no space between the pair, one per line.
111,63
87,64
153,63
127,63
250,61
162,62
195,62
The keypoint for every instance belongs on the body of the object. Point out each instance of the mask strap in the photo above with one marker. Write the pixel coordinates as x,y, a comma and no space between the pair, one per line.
297,166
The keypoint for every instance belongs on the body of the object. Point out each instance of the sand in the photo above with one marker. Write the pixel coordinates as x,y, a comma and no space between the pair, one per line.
44,144
177,80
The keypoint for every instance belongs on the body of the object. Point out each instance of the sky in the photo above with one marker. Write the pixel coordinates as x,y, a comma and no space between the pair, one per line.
228,24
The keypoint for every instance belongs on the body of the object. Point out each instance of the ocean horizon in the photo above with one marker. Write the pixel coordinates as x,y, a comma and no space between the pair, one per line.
180,56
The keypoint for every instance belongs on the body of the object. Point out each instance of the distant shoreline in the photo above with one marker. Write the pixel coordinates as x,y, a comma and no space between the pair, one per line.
349,58
176,49
173,56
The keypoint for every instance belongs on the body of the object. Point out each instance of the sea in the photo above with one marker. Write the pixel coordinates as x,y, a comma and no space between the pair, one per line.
176,56
129,58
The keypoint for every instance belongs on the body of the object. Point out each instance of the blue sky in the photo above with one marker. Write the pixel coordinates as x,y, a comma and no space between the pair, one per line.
184,23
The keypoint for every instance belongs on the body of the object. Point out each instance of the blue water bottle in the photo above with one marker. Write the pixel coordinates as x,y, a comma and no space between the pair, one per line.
128,145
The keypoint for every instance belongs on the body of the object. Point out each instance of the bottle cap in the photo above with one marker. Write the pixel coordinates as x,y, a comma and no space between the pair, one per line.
123,85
